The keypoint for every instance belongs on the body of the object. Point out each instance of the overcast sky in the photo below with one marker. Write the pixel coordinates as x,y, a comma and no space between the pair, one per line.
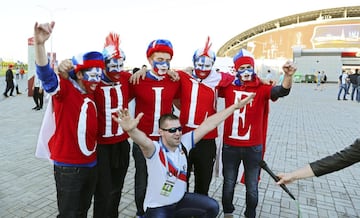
82,25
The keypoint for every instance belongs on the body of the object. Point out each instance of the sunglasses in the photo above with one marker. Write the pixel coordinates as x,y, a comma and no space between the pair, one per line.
173,130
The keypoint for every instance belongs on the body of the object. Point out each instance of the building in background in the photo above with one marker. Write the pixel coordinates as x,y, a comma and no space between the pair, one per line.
315,40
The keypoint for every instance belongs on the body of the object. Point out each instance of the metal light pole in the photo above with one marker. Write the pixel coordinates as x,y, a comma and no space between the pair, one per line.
51,12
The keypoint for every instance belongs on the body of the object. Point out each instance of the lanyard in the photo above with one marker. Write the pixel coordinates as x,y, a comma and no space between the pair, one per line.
165,151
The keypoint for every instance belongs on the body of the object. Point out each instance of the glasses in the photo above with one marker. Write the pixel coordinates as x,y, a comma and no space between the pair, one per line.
173,130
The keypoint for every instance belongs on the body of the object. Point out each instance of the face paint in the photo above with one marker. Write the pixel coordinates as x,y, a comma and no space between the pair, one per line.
245,72
202,66
161,67
91,77
113,68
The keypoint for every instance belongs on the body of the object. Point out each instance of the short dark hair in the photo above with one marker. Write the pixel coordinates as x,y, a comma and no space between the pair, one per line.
166,117
136,69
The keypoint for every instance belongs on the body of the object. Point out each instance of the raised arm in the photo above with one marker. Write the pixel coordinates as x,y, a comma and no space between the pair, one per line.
46,74
214,120
289,69
129,125
42,33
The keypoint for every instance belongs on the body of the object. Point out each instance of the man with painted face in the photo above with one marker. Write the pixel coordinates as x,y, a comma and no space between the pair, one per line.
197,102
111,95
72,141
154,96
245,131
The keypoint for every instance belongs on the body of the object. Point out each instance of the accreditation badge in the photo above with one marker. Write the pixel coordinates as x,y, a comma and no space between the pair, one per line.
168,185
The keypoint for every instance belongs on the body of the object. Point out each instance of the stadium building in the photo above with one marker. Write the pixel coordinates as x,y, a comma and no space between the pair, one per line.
322,40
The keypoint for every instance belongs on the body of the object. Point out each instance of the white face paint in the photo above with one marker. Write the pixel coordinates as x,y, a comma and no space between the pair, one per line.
160,62
203,66
245,71
115,65
91,77
113,68
161,67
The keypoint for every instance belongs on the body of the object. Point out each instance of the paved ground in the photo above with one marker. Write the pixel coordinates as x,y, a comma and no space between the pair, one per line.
306,125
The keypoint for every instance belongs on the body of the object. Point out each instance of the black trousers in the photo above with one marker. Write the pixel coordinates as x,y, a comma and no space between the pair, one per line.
9,87
113,163
202,158
38,97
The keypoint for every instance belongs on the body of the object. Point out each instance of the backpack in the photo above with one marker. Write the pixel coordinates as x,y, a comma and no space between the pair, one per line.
325,78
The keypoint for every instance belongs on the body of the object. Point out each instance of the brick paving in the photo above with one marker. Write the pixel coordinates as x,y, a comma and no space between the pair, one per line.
304,126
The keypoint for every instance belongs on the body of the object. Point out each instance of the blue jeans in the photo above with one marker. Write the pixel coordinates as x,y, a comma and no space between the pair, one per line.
231,159
341,88
75,187
140,179
192,204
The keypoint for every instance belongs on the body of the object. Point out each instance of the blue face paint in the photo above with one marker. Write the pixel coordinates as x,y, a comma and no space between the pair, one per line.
113,68
245,74
203,66
161,67
91,77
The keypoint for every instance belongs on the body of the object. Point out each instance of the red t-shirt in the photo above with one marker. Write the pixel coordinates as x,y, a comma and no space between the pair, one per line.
198,99
109,98
74,140
154,97
247,126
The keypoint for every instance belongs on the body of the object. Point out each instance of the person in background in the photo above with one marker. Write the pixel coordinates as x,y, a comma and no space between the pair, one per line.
332,163
318,81
38,93
354,86
71,140
245,131
166,163
9,78
281,78
342,82
358,87
17,73
22,72
269,75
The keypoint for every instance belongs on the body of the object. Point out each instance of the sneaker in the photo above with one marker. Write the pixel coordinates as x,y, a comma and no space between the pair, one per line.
228,215
5,95
34,108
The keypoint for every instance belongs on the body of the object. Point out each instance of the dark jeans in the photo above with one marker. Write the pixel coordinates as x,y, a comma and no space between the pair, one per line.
113,163
354,91
140,179
231,158
192,204
203,158
75,187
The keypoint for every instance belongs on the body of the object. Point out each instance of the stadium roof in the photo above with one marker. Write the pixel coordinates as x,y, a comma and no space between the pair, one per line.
324,14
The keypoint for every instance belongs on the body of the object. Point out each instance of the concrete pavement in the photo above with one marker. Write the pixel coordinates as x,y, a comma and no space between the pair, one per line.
304,126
